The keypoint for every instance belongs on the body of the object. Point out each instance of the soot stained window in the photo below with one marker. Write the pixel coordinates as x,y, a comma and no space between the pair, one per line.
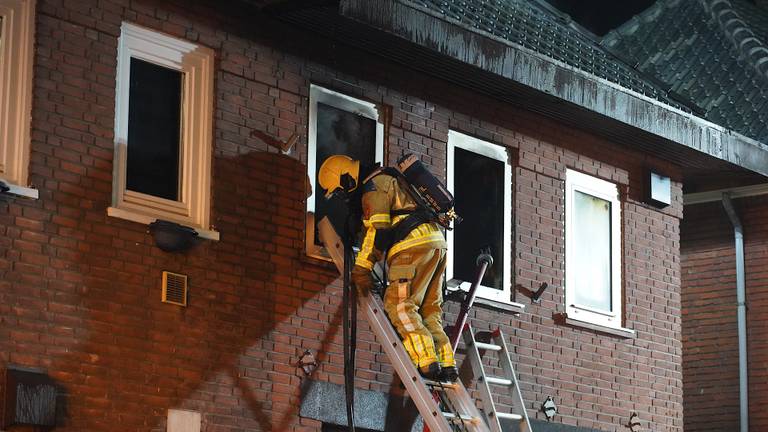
340,132
338,124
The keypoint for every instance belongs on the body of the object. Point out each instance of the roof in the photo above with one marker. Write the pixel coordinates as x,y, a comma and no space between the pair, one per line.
522,53
546,31
712,53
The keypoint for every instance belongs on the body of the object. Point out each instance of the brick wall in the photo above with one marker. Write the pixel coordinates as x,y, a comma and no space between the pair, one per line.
79,291
710,344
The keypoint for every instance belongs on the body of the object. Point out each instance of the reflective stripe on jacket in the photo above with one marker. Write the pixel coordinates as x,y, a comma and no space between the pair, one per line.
381,195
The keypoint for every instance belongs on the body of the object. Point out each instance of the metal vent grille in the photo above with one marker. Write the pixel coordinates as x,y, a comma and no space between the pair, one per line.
174,288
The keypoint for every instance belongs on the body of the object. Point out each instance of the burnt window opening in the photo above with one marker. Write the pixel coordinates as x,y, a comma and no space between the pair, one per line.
154,130
340,132
338,125
479,192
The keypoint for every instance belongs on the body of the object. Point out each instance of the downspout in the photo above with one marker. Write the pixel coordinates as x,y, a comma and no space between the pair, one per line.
741,311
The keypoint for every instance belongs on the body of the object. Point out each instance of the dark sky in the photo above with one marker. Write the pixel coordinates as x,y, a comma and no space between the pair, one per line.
601,16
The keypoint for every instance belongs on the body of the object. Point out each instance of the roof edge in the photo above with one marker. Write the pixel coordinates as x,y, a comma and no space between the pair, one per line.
449,38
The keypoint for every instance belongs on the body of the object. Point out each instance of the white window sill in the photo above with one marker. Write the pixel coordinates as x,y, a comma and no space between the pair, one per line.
22,191
564,319
146,220
507,306
513,307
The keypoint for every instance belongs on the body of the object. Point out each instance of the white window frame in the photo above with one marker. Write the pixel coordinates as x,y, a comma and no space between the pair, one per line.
349,104
196,64
16,55
580,182
497,152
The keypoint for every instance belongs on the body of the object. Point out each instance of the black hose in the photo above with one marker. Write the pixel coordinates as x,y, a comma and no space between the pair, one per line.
350,328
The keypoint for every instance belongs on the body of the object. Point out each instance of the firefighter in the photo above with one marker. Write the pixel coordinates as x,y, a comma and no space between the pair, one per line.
415,262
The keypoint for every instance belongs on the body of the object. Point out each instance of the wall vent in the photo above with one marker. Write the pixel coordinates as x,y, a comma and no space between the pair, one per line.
174,288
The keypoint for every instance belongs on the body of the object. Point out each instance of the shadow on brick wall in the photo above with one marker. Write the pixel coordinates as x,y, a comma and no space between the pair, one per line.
124,358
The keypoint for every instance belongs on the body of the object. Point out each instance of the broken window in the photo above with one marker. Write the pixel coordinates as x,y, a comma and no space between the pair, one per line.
338,124
479,176
593,250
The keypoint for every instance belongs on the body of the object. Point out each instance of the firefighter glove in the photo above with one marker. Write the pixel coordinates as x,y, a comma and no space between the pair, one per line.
363,280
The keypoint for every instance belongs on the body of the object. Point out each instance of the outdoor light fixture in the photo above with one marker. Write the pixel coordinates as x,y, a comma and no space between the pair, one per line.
634,422
659,189
549,408
172,237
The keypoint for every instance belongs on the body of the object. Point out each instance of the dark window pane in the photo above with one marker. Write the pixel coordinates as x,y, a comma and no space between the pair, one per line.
479,192
154,125
340,132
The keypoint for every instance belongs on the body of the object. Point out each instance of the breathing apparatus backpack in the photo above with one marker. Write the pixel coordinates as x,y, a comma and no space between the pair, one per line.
434,203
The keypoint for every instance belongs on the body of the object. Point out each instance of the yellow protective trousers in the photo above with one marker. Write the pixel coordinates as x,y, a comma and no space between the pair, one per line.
413,303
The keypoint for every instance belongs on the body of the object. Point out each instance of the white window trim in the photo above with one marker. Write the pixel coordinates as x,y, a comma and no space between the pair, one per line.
349,104
497,152
576,181
17,33
196,64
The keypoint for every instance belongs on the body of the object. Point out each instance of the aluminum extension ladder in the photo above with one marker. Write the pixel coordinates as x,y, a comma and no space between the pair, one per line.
484,382
462,414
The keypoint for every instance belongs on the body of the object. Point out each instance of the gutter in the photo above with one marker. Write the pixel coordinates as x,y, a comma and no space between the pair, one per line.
741,311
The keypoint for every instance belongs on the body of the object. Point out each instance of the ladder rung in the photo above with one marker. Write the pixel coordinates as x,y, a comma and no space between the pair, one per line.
498,381
509,416
487,346
437,385
455,418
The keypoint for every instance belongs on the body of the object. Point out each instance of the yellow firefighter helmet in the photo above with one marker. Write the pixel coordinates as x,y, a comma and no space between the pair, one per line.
332,170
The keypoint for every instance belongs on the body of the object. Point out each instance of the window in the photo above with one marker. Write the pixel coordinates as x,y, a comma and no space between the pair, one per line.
17,19
592,250
338,124
163,130
480,178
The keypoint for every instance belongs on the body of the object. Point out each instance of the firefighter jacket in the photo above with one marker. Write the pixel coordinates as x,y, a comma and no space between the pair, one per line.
382,194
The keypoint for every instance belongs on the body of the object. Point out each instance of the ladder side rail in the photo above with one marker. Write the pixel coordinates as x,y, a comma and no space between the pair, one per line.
509,371
462,400
407,372
476,361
